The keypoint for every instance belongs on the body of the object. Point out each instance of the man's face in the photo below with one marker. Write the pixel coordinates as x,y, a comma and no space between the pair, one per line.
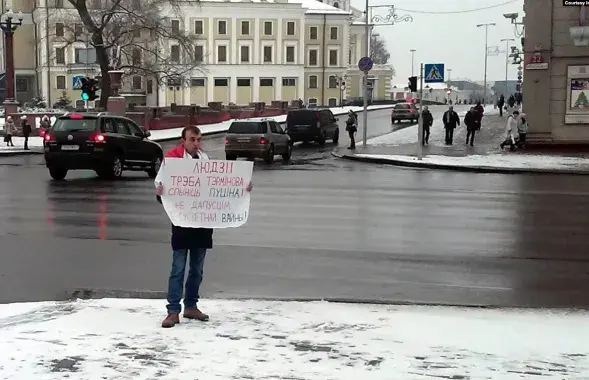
192,142
451,109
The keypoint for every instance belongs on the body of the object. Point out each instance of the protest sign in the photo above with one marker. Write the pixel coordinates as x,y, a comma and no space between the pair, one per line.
206,193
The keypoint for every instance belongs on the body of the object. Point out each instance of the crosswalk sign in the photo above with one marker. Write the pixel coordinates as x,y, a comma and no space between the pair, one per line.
434,73
77,82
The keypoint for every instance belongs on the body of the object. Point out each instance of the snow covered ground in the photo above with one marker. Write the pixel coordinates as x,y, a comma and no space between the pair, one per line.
36,142
494,161
122,339
437,133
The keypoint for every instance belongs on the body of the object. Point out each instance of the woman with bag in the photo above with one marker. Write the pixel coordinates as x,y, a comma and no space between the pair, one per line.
510,131
352,128
9,130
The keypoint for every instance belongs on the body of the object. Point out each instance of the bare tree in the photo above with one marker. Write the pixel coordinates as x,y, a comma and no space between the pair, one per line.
141,37
378,50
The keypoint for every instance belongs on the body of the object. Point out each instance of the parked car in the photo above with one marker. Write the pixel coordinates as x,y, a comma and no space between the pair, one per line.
308,125
257,139
405,111
105,143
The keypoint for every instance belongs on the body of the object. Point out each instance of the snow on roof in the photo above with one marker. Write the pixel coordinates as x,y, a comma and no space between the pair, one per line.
317,7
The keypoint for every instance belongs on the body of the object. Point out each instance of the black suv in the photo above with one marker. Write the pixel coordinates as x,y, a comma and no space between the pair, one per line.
312,125
105,143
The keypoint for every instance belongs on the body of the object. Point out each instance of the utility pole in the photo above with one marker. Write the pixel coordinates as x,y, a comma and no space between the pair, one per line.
412,61
448,82
506,40
486,26
420,120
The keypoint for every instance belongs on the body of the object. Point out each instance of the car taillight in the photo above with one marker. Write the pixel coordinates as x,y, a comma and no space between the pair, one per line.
263,141
99,138
49,137
226,140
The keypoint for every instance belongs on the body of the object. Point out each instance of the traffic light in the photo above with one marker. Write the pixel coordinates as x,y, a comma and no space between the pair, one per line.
413,84
89,88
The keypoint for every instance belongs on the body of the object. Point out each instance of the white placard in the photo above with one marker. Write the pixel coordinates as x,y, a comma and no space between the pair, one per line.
206,193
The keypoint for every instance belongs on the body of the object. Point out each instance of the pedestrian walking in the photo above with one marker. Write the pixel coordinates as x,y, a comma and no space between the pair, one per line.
352,128
428,121
185,242
510,131
522,130
501,104
451,121
26,131
472,122
9,131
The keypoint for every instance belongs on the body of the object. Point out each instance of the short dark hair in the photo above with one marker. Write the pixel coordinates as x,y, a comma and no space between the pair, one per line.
190,129
516,112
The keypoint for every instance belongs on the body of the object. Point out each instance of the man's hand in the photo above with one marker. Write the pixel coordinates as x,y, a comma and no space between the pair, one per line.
159,190
249,187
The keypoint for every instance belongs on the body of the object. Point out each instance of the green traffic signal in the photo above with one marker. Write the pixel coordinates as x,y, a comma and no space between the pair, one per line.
85,96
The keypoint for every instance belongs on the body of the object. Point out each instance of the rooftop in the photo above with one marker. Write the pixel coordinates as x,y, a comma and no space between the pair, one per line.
311,6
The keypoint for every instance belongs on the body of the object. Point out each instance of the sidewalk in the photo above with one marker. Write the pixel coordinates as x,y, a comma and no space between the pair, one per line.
36,143
401,148
121,338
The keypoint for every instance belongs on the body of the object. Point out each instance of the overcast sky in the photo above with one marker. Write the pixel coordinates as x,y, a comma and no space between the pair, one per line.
452,39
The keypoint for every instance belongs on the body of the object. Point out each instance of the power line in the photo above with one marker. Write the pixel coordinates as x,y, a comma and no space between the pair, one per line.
458,12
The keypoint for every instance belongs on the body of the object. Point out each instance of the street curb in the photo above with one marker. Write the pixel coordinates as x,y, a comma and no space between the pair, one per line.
21,153
89,293
169,138
471,169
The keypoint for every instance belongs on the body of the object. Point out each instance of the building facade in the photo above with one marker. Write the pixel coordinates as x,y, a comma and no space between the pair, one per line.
556,72
249,51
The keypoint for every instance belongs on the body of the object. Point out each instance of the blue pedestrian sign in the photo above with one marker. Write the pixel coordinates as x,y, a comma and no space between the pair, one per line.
365,64
77,82
434,73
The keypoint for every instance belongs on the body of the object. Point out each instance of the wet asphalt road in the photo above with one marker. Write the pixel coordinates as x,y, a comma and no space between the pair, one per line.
319,228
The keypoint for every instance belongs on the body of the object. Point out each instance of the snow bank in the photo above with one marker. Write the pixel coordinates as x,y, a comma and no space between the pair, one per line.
122,339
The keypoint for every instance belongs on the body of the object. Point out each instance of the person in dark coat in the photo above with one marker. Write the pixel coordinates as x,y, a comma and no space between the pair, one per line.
352,128
26,131
428,121
472,120
451,121
185,242
501,104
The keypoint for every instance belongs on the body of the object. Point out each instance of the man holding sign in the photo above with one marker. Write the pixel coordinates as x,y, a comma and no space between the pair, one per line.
198,195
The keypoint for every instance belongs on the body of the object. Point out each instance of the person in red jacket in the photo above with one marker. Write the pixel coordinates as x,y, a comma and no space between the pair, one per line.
185,241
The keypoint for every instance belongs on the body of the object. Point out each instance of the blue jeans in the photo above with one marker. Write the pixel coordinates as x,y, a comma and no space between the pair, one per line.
176,282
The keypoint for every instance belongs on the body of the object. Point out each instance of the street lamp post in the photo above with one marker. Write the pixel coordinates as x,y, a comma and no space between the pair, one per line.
391,18
412,61
9,24
507,41
341,82
486,26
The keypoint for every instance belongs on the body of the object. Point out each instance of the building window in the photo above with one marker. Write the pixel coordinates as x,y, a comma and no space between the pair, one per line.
268,54
350,57
149,86
312,81
96,4
197,82
136,56
332,102
222,27
244,82
78,30
313,57
289,82
85,55
245,54
60,82
137,33
198,27
290,28
290,54
176,27
332,57
221,82
22,85
59,29
245,28
312,102
137,82
333,33
336,5
175,53
60,55
175,81
332,81
267,28
313,33
199,53
222,53
266,82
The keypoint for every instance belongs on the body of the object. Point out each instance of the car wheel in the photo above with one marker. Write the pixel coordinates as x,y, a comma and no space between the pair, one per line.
270,155
57,173
336,136
286,156
113,171
230,157
155,167
321,140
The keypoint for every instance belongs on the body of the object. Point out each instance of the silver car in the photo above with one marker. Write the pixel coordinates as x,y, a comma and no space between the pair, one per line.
257,139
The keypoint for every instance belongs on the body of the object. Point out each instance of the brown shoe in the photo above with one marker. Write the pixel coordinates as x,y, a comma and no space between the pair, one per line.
171,321
196,314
